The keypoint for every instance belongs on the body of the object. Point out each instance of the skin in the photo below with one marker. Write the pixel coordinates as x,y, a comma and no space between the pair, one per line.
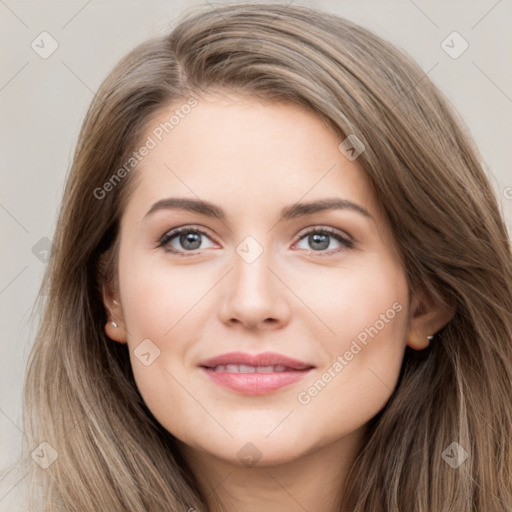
296,299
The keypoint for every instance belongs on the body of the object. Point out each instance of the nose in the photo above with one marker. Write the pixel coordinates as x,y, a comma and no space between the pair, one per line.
254,296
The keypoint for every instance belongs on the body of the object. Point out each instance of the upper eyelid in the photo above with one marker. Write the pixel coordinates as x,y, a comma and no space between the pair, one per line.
186,227
327,229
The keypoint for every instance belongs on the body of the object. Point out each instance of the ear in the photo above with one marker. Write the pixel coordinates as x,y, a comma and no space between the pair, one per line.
427,318
115,327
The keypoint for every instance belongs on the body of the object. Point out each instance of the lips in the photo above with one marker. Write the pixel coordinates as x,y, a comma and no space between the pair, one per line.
263,361
244,368
254,374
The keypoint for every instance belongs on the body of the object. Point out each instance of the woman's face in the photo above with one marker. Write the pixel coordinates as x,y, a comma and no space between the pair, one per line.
323,290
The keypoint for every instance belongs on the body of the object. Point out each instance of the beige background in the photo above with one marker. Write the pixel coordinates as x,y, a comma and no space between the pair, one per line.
43,101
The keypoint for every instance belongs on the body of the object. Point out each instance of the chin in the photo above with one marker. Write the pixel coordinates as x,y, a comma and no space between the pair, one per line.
249,450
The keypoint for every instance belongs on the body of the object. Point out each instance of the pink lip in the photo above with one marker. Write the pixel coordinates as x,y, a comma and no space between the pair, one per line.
263,359
255,383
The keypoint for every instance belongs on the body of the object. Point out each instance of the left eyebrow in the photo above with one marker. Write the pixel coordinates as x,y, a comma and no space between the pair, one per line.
299,209
287,213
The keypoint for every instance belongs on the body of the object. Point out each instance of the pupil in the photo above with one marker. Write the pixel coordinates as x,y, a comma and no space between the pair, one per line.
317,238
190,238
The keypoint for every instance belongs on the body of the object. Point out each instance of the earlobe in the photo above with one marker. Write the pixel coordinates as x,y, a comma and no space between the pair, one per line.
115,332
418,342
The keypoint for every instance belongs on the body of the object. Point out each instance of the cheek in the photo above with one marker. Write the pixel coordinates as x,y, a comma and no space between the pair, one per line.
368,314
351,300
161,309
157,296
355,386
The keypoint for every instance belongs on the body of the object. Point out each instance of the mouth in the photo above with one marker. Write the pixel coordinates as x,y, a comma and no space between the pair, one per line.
244,368
255,374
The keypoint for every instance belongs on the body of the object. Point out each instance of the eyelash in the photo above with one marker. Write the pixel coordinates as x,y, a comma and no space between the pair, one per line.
346,243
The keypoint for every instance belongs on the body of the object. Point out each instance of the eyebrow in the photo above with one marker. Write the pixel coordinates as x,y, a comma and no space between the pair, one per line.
287,213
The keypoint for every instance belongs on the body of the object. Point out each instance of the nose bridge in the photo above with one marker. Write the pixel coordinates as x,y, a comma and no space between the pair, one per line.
254,293
251,274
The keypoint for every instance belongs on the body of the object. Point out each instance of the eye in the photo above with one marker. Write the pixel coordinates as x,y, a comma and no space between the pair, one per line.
188,238
320,239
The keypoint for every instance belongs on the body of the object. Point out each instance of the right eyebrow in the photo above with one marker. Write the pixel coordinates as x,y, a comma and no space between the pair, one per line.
191,205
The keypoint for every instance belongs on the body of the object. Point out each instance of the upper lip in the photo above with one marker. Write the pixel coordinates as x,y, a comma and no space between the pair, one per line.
263,359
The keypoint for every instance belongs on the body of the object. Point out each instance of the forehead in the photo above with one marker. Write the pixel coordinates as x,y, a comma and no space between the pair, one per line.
246,154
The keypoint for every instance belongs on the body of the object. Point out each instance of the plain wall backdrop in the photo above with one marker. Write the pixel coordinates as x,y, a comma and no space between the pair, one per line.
56,53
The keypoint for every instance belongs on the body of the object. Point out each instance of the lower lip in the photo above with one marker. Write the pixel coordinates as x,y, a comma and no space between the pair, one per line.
255,383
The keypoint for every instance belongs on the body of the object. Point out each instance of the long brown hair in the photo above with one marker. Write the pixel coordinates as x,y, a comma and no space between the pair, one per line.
81,397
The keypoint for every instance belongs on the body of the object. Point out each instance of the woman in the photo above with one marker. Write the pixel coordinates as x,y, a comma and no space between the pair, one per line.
338,335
